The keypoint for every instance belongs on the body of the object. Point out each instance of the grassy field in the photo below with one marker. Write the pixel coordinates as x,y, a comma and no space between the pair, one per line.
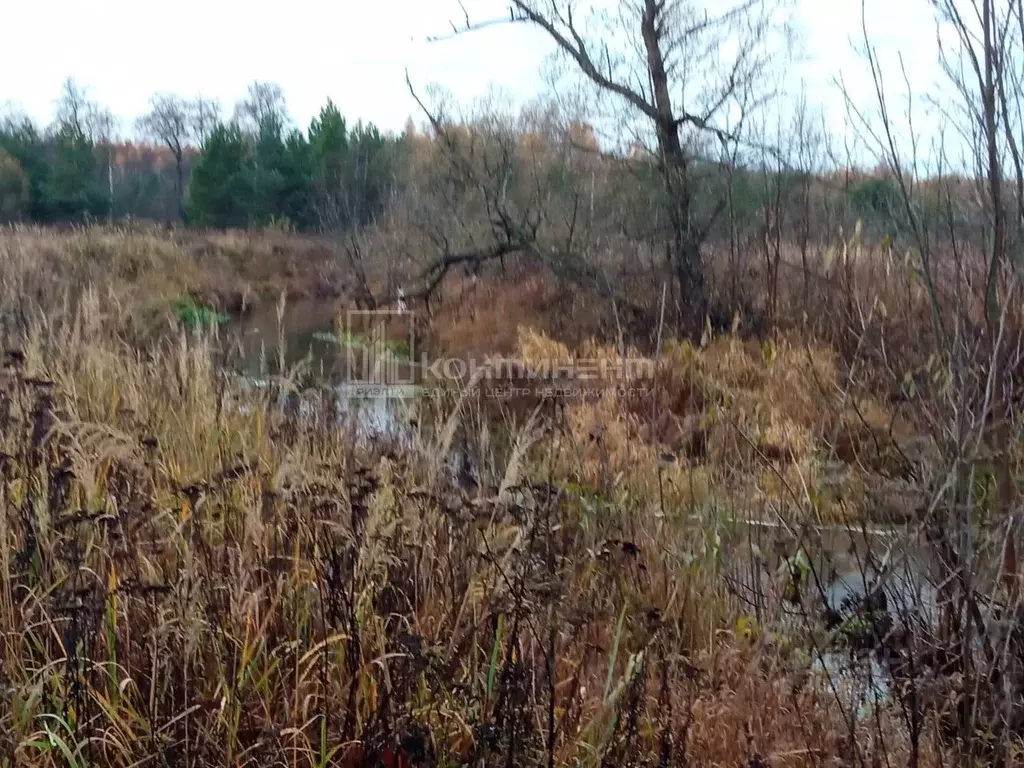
194,576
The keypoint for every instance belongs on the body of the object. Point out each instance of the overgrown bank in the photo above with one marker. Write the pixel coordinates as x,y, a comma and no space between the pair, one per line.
198,574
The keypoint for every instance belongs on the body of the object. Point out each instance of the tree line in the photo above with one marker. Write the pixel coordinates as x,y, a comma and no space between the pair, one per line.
190,164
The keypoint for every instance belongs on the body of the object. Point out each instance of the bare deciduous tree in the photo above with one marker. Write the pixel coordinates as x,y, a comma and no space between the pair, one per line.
204,115
168,122
263,109
682,68
84,118
973,285
76,111
73,107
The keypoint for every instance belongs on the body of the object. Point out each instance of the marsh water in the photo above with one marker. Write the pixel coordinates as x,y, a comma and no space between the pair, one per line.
843,562
303,334
841,566
300,342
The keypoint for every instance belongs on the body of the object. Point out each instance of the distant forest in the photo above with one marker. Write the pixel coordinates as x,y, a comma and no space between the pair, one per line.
190,164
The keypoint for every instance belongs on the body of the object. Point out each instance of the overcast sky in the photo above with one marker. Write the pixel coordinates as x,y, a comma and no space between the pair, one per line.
356,52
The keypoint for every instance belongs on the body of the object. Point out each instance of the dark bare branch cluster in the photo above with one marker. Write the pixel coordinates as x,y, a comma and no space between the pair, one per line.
689,73
169,121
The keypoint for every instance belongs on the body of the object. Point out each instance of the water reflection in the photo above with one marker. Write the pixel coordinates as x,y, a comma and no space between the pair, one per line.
304,335
855,595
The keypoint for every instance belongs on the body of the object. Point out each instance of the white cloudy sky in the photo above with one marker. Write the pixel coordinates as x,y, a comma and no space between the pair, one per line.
356,51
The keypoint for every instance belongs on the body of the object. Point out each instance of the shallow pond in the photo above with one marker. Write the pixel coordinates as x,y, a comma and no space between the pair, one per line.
844,587
303,334
841,566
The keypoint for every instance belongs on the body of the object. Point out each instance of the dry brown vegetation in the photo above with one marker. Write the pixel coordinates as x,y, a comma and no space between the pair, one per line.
146,266
195,576
791,539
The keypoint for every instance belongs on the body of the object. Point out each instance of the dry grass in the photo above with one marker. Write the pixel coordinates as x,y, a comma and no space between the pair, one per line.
735,424
483,316
194,576
145,267
200,583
